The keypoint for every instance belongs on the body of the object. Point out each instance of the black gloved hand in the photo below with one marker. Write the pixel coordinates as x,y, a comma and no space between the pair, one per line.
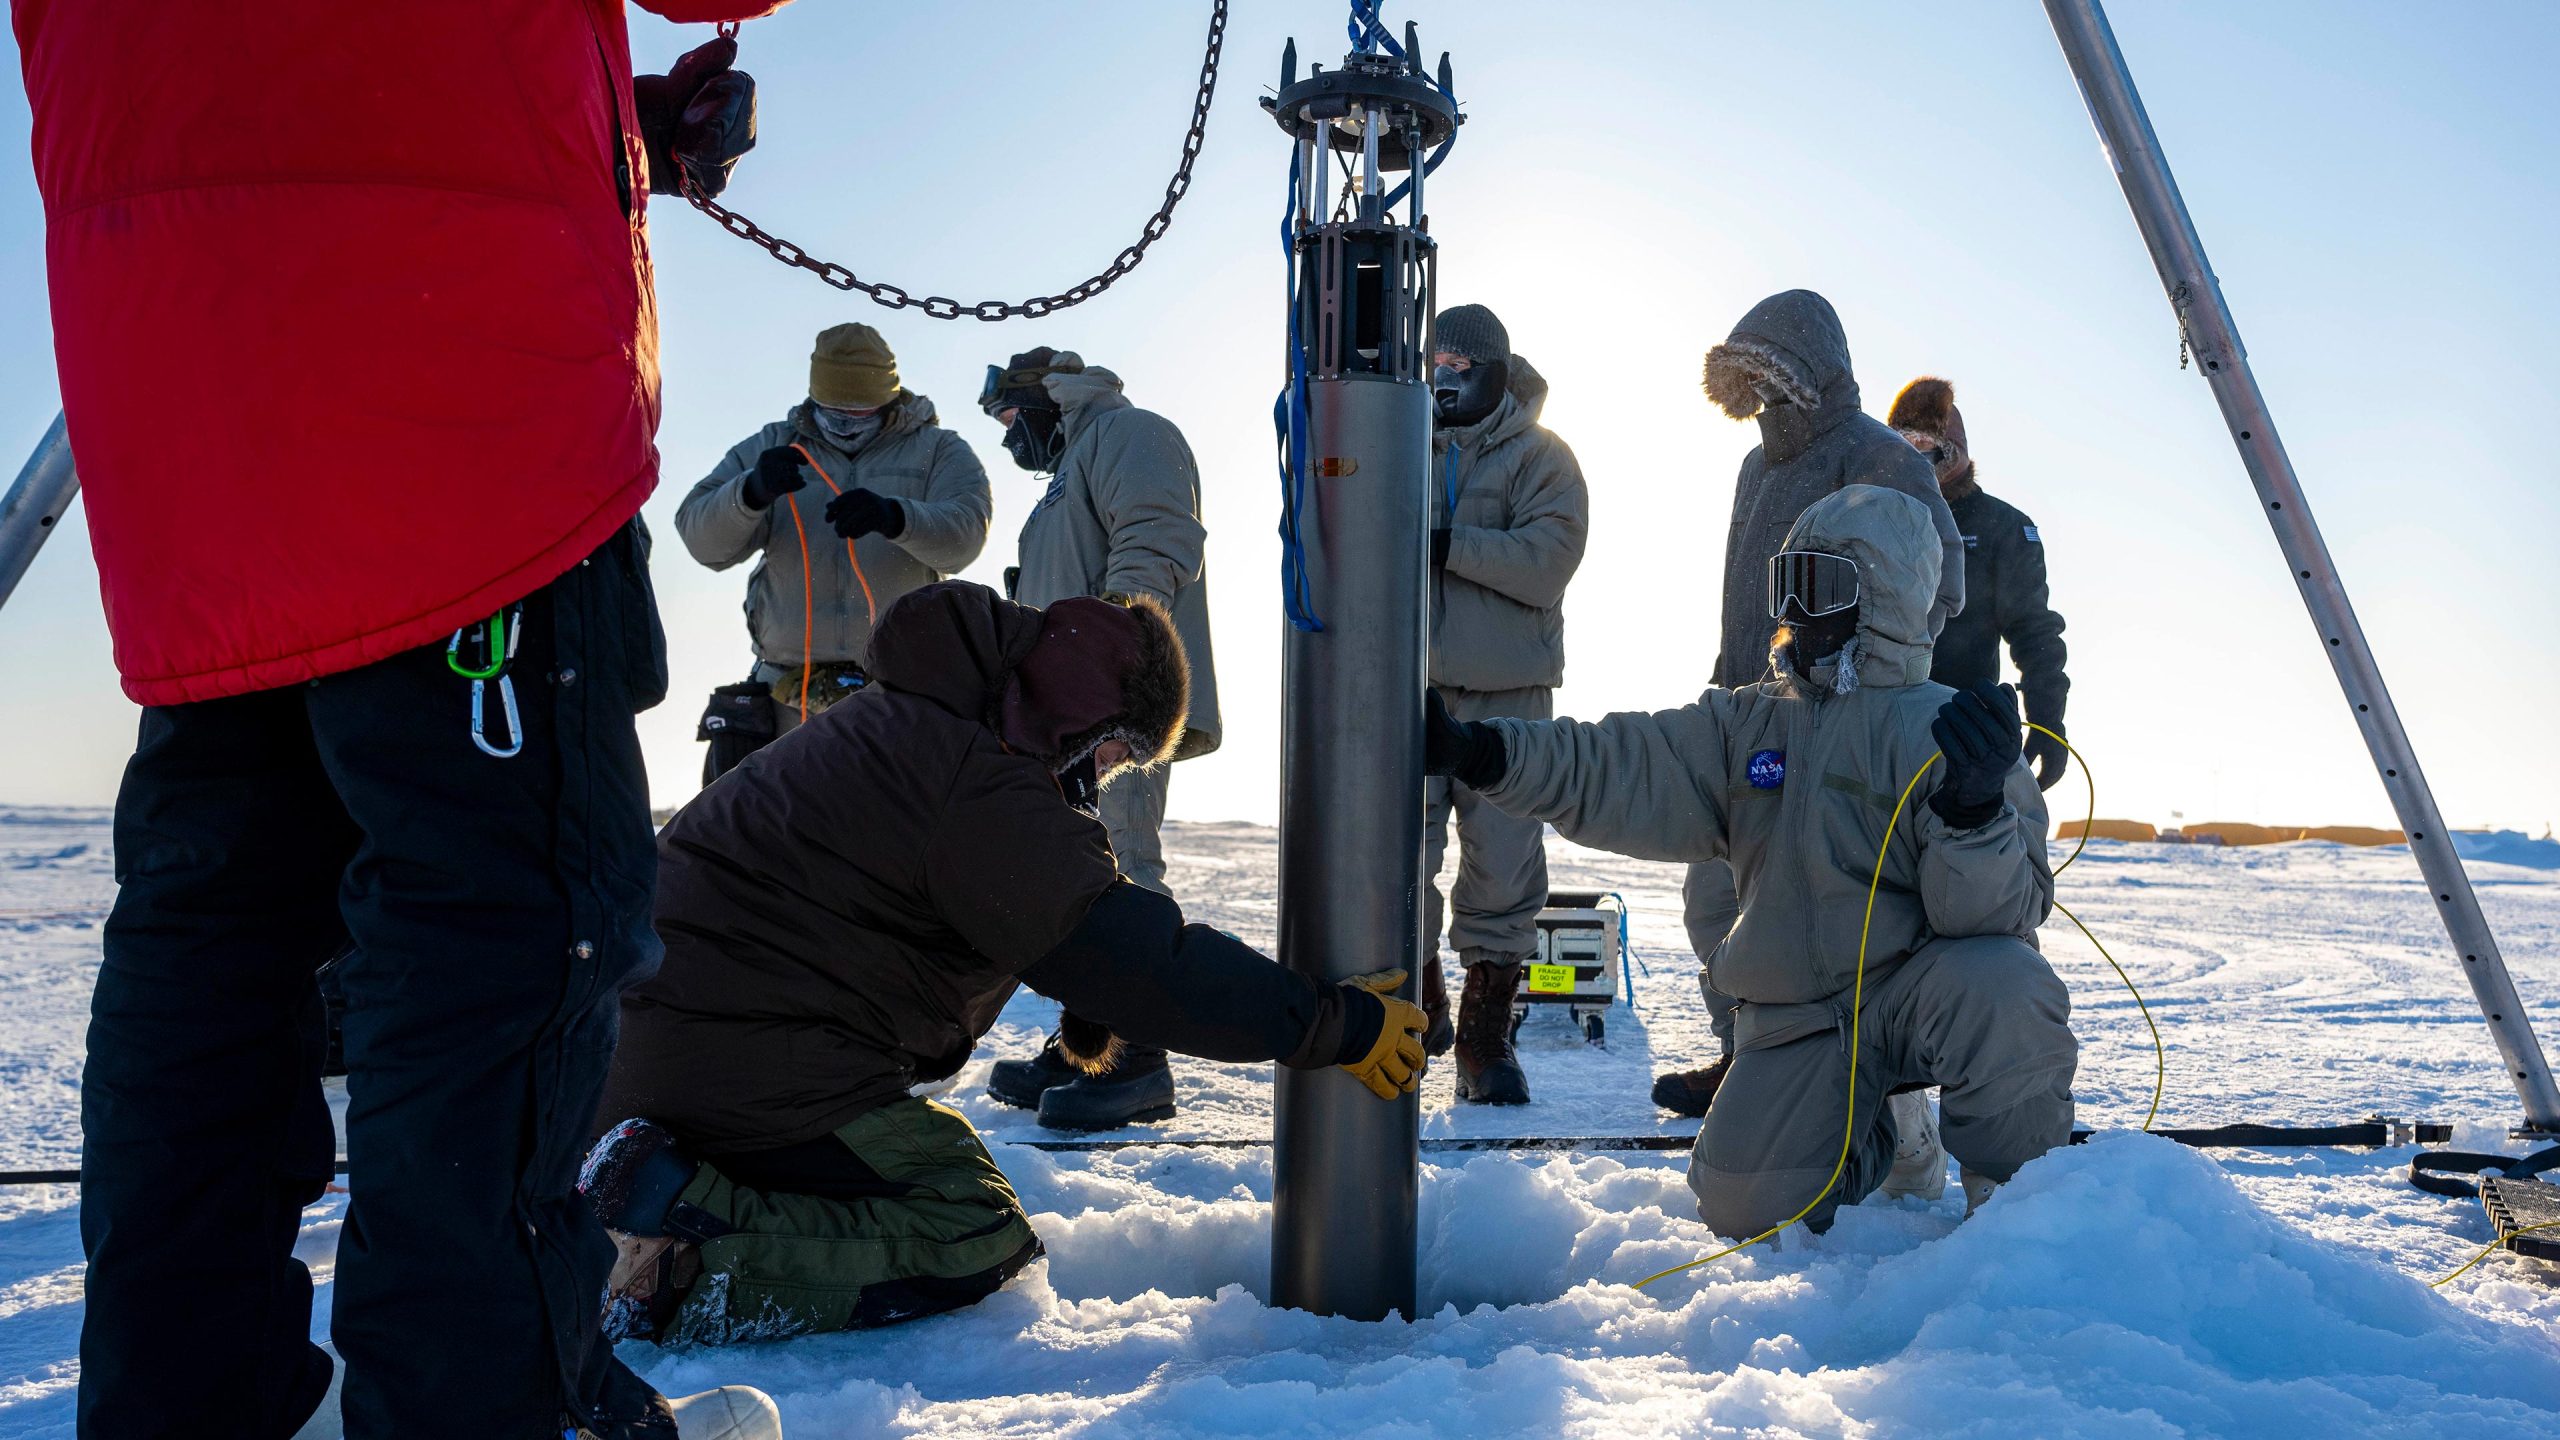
858,512
1977,732
1440,548
701,115
2047,756
1466,751
777,474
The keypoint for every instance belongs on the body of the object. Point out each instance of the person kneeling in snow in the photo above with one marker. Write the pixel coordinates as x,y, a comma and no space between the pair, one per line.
846,913
1793,780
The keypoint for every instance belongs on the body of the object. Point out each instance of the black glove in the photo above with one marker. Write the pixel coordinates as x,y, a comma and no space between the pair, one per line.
857,512
1466,751
2047,756
701,115
1977,732
1440,548
777,474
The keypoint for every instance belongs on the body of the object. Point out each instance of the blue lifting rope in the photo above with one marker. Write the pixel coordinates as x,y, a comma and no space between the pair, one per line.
1289,412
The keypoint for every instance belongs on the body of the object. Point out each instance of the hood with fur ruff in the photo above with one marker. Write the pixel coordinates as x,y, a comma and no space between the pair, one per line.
1793,342
1054,683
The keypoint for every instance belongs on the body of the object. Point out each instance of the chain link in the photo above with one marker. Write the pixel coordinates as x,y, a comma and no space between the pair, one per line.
941,307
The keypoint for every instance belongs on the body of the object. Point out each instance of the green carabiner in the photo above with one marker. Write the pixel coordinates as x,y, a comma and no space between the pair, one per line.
493,632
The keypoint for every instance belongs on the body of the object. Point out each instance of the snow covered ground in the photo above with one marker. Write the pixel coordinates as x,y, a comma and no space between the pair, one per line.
2124,1288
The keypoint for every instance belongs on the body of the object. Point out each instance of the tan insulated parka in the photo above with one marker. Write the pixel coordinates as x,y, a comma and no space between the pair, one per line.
1513,499
1793,784
1122,517
931,473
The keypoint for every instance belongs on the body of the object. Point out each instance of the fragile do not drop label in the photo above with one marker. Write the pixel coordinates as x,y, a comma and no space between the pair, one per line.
1550,979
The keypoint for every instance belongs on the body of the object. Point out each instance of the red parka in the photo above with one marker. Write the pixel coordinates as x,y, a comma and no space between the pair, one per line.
353,311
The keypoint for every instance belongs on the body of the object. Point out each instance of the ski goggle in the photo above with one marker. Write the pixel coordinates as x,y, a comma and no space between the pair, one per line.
999,380
1820,584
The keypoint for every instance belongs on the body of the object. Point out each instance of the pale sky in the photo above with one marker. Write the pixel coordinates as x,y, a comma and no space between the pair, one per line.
2373,181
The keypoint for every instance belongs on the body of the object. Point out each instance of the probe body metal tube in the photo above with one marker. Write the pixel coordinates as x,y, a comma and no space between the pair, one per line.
2115,107
36,502
1344,1162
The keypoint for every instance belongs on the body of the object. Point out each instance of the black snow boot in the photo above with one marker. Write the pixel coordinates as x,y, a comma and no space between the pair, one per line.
1023,1082
1138,1088
634,1179
1690,1092
1488,1069
1439,1035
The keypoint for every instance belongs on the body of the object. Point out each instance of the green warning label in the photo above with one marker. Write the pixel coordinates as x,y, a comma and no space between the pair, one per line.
1550,979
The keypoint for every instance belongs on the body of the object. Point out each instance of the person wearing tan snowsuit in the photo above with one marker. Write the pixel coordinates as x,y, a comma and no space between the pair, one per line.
1509,517
1786,366
859,473
1792,781
1119,519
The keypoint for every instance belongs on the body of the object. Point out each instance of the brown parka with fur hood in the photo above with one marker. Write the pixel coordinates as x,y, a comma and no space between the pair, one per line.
847,911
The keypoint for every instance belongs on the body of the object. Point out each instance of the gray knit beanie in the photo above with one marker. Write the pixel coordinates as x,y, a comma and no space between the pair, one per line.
1472,331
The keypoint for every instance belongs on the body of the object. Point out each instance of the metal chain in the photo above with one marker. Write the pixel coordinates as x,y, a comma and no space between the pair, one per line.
2179,298
941,307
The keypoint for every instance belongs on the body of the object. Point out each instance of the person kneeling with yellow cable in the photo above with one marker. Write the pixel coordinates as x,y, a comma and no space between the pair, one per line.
1884,945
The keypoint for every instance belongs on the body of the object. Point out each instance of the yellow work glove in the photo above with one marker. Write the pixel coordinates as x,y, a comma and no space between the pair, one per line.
1393,1065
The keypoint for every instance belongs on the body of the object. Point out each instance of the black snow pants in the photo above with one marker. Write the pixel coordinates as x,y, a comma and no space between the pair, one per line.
497,909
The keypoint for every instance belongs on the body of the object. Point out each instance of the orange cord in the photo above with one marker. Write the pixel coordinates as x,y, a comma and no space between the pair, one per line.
808,601
870,611
808,592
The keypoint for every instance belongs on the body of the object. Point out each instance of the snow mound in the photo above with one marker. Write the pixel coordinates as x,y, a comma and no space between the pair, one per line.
2507,847
2125,1287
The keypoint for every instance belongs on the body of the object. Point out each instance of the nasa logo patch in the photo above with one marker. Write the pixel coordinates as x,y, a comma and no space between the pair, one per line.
1768,769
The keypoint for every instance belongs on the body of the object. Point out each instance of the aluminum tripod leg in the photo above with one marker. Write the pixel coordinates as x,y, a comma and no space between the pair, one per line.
2116,109
36,502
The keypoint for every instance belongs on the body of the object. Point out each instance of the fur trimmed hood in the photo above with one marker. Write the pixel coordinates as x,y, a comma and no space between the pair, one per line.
1926,410
1053,684
1155,693
1791,342
1102,670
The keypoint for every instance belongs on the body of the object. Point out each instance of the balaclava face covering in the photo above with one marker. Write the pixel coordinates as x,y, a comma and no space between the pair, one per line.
1460,398
848,429
1817,638
1786,428
1036,438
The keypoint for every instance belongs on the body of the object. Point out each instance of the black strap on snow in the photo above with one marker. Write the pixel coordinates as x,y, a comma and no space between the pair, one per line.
2449,1172
2370,1134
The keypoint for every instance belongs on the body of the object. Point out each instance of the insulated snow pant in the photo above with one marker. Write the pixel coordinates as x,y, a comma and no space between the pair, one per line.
1502,859
899,1214
496,908
1984,1017
1709,906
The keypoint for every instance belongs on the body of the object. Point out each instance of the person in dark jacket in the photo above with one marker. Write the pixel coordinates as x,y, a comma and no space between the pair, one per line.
2007,600
846,913
1786,365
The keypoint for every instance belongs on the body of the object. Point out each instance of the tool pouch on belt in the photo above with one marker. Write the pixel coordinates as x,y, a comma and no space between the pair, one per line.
829,682
738,722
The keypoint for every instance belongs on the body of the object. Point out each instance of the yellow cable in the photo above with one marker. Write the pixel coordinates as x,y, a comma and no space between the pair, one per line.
2491,1249
2159,1051
1848,1136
